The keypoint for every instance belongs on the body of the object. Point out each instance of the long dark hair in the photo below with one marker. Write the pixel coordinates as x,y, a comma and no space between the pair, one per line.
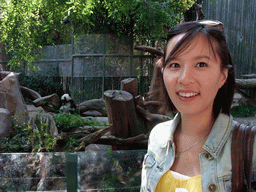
224,97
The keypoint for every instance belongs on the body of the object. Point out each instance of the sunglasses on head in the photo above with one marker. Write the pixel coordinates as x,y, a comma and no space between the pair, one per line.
212,23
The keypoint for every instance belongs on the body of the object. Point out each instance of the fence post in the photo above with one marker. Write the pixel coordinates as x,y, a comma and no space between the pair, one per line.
72,172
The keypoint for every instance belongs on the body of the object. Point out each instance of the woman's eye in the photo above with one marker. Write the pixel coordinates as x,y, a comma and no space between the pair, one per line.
173,65
201,64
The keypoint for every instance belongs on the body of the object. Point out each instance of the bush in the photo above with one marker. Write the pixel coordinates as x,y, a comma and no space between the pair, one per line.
66,122
244,111
18,140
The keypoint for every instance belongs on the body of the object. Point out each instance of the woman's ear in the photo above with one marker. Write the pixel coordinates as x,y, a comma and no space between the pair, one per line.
224,77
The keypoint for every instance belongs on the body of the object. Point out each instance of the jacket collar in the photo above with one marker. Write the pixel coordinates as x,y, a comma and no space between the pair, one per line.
220,133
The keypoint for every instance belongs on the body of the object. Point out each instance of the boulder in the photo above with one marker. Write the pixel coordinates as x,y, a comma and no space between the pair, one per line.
5,122
12,99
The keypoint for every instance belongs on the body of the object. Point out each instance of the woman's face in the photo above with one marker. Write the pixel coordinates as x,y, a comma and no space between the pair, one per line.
193,78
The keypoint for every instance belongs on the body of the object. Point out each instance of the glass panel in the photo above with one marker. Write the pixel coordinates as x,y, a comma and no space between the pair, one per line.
117,66
89,44
32,171
88,67
118,45
111,170
97,170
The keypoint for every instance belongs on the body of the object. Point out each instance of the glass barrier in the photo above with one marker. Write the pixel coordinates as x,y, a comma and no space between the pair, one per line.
82,171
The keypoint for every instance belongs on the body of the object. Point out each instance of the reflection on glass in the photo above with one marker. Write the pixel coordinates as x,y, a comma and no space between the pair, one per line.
98,171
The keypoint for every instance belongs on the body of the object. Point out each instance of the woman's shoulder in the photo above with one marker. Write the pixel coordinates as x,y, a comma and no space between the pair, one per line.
162,128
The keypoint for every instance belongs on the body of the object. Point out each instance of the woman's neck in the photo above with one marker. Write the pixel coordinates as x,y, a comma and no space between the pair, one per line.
197,125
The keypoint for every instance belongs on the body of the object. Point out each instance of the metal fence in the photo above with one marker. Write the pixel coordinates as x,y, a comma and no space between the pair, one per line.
95,63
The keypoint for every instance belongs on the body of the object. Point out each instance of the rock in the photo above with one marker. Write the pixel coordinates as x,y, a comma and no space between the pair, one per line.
12,99
5,122
45,118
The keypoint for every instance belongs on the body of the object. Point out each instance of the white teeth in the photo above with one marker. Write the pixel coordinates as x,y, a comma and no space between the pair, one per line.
187,94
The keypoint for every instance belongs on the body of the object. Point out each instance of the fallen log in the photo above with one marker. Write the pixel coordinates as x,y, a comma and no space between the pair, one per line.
139,141
151,119
50,103
246,83
151,106
89,139
94,104
81,133
31,94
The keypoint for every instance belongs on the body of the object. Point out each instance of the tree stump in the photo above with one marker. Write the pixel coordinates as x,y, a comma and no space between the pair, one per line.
130,85
122,115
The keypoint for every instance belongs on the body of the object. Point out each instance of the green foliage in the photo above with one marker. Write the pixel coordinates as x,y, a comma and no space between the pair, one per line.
66,122
43,84
244,111
17,141
71,144
28,25
27,138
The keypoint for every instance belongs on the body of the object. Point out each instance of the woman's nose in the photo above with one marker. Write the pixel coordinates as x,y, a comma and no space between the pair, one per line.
186,76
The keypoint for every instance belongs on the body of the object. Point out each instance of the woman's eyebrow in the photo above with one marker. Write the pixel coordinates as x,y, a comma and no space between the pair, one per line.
202,57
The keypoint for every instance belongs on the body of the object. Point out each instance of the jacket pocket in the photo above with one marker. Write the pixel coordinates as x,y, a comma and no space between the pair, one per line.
227,182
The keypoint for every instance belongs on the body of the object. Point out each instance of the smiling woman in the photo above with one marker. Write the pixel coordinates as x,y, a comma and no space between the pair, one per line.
192,152
193,78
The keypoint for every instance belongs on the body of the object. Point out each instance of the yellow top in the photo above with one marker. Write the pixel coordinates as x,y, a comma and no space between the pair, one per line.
172,182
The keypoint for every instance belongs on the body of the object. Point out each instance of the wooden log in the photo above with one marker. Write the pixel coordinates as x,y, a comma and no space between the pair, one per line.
139,141
152,50
151,119
81,133
50,103
130,85
246,83
87,140
94,104
122,114
252,75
31,94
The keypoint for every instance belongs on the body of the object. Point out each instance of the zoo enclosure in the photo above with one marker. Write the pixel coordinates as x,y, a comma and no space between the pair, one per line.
94,63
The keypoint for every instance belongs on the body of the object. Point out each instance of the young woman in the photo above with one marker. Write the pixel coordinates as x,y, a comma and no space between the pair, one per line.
192,152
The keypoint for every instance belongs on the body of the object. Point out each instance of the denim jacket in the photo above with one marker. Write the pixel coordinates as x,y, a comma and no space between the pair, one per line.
215,162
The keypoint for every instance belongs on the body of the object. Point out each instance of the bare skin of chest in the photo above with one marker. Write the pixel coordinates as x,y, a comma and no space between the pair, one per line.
188,162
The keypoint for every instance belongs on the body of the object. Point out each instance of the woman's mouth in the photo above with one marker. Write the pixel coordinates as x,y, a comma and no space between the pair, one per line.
187,95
